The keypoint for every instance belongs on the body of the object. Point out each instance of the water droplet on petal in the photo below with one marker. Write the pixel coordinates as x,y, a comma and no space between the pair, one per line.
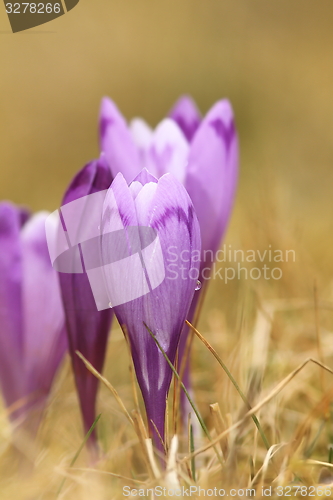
198,285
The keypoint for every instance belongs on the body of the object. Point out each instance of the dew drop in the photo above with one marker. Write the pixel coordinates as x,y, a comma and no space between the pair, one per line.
198,285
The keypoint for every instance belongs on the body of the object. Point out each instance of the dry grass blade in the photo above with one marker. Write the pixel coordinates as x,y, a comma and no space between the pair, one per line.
107,384
150,452
159,436
171,477
177,391
263,470
318,410
219,427
278,388
240,392
142,434
107,473
131,368
318,336
261,336
318,462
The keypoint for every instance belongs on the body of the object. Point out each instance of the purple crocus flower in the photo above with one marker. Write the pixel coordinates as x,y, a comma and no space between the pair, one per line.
87,327
202,154
32,323
163,286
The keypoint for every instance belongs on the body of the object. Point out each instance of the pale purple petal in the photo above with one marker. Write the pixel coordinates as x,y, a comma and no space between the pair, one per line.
44,320
187,115
32,334
117,143
142,135
119,209
168,152
212,173
144,177
211,182
144,201
11,314
122,268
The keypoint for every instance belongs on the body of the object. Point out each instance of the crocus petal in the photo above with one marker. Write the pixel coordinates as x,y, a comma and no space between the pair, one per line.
87,327
118,258
32,335
167,209
164,150
212,173
168,151
93,178
141,132
211,182
44,321
11,314
116,142
187,115
144,177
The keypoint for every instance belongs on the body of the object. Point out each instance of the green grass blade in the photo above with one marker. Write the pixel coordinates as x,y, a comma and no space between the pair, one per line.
76,456
192,450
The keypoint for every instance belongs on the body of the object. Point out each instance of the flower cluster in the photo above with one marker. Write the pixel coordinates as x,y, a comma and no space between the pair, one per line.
172,187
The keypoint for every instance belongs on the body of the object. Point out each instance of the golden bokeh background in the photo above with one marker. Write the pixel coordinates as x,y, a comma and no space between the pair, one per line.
273,60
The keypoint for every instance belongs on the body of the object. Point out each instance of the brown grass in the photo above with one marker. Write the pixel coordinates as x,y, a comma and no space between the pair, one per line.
284,388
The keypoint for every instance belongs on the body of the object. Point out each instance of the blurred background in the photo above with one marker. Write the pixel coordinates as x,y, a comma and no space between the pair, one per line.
272,59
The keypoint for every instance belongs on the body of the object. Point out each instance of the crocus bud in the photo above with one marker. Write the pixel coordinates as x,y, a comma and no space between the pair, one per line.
87,327
32,331
153,224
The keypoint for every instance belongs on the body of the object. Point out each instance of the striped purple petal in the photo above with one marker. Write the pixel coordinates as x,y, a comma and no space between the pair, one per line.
211,182
163,282
212,173
87,327
186,114
164,150
116,142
